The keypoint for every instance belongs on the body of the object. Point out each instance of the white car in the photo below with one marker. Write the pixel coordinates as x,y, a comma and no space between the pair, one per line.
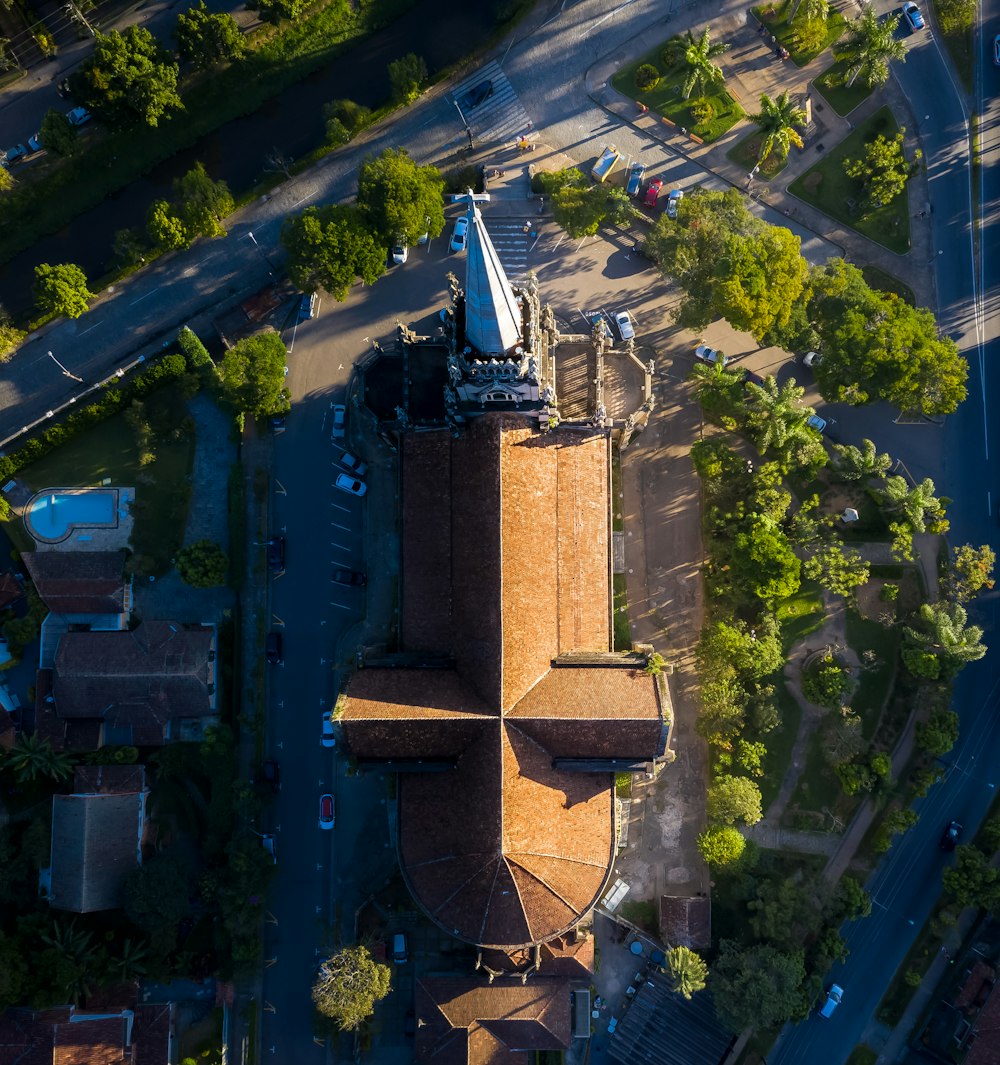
710,355
624,323
912,15
812,358
349,484
460,234
329,736
674,201
400,253
339,427
354,464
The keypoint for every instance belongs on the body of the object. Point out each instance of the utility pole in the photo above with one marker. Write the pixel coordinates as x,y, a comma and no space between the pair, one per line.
78,16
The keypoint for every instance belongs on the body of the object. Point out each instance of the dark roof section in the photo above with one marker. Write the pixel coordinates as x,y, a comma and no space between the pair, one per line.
465,1021
569,956
10,589
686,921
138,680
95,845
78,582
109,779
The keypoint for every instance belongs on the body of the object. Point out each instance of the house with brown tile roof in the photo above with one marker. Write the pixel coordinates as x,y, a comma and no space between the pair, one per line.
686,921
80,582
506,573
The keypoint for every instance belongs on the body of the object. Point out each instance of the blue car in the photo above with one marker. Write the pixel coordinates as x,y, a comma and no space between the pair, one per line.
912,15
635,175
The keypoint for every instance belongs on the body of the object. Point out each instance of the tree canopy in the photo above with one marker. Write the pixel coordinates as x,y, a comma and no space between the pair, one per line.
348,985
204,38
940,642
883,170
398,199
58,134
203,564
732,799
777,121
687,971
128,78
407,76
330,248
62,289
871,45
759,986
253,375
698,54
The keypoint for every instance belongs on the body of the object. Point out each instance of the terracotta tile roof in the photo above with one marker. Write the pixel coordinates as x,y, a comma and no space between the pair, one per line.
566,956
109,779
78,582
466,1021
139,679
986,1034
95,845
686,921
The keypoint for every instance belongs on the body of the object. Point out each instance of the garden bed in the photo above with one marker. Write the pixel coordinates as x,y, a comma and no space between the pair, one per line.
666,99
745,155
841,97
827,187
775,18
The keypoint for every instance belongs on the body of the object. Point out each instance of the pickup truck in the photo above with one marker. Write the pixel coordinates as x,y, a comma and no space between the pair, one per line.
607,162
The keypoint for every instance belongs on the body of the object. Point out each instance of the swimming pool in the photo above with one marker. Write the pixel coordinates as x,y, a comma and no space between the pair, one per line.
52,515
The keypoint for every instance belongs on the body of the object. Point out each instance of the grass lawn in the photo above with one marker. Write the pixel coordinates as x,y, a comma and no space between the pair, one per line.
879,280
842,98
666,100
162,488
827,187
745,155
779,743
799,614
874,684
818,794
623,630
774,16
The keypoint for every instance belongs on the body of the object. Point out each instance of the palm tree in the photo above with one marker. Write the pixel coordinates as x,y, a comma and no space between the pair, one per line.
687,971
34,757
776,121
913,505
860,463
942,631
871,47
131,963
698,55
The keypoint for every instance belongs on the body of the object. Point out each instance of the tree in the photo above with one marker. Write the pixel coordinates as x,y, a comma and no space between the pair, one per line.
826,682
203,203
13,972
61,290
955,17
787,910
776,121
275,11
860,463
720,392
253,375
165,227
407,76
733,799
751,651
918,506
758,986
763,562
939,733
883,171
32,757
398,199
203,564
344,120
972,881
582,211
687,971
722,846
870,47
836,569
348,985
970,572
775,418
128,78
330,248
58,134
129,247
852,901
194,350
940,642
204,38
697,55
156,894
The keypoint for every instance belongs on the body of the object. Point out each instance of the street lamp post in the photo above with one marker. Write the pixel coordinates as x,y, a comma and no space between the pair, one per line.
65,372
270,265
468,130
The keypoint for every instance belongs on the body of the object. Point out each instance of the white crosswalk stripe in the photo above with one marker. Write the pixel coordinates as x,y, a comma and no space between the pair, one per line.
498,118
512,239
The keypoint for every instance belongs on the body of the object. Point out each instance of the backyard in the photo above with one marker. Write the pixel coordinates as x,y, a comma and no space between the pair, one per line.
827,186
707,116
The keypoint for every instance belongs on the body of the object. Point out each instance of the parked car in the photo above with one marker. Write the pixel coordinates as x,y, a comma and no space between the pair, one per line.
278,423
833,999
460,234
812,358
636,172
307,306
351,577
814,421
328,737
996,50
400,253
276,552
339,428
652,192
751,378
346,483
78,116
327,812
912,15
600,323
710,355
274,648
674,201
624,323
35,142
606,162
354,464
270,773
15,154
270,844
950,837
477,95
399,955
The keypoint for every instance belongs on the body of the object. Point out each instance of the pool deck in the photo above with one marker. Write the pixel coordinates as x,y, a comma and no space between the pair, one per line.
84,536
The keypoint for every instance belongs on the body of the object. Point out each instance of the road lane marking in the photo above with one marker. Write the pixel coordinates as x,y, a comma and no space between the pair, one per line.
141,298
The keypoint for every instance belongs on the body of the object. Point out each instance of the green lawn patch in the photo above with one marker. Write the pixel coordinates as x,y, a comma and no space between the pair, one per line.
779,743
162,487
775,18
960,48
642,914
800,614
841,97
818,795
623,630
874,684
881,281
722,111
745,154
827,187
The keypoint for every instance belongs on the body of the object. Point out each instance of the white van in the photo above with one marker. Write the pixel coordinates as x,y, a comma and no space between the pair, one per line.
833,999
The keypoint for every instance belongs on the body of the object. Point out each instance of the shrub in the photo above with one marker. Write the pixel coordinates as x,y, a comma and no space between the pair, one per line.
647,77
203,564
193,349
702,111
826,682
889,593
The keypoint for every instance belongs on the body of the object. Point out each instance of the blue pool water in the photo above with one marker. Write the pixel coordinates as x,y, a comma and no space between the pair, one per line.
53,514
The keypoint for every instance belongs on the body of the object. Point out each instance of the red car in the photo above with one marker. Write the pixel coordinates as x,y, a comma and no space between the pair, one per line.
326,812
652,192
